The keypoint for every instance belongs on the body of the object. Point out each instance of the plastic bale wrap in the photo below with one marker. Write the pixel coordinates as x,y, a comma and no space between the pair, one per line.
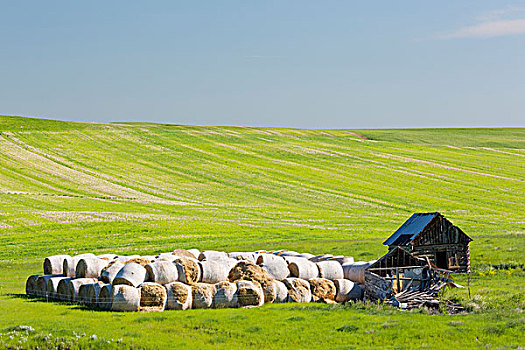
69,265
104,297
331,270
41,285
288,253
162,272
153,297
124,258
195,253
109,273
248,271
94,290
212,255
355,272
303,268
250,256
214,271
108,257
142,261
321,257
298,290
90,267
125,298
63,289
281,292
275,265
343,259
73,288
202,294
323,290
54,265
179,296
249,293
132,274
52,286
31,285
226,295
347,290
83,297
188,270
185,253
305,255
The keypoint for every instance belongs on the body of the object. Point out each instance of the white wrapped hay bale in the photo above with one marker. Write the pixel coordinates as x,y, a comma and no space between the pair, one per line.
347,290
69,265
195,253
63,289
303,268
250,256
305,255
93,293
90,267
331,270
202,294
54,265
41,285
179,296
214,271
153,296
162,272
125,298
188,270
249,294
73,288
109,273
298,290
321,257
31,285
248,271
355,272
124,258
108,257
343,259
104,297
52,286
281,292
186,253
212,255
226,295
83,297
275,265
132,274
323,290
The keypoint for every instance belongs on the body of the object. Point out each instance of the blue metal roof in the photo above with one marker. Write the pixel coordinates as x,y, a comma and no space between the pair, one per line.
410,229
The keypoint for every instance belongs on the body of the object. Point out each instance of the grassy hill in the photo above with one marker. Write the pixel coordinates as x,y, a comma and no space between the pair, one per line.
143,188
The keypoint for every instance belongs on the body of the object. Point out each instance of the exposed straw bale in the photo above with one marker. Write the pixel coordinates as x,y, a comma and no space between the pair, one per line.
184,253
143,261
202,294
226,295
249,293
298,290
323,290
188,270
179,296
153,297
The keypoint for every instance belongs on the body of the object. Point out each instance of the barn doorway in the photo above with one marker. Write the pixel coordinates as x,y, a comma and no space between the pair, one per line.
441,259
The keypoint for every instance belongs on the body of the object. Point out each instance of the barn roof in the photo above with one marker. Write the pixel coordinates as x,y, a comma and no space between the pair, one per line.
410,229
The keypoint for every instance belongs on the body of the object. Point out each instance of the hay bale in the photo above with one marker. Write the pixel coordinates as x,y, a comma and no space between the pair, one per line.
323,290
108,257
62,289
54,265
195,252
248,271
288,253
162,272
305,255
347,290
52,286
321,257
185,253
93,293
202,295
250,256
355,272
69,265
331,270
212,255
342,259
281,292
104,297
83,296
213,271
249,293
132,274
276,266
124,258
73,288
41,285
153,297
109,273
226,295
31,285
143,261
303,268
125,298
90,267
298,290
179,296
188,270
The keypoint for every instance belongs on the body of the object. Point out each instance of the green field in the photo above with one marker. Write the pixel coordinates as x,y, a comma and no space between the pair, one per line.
141,188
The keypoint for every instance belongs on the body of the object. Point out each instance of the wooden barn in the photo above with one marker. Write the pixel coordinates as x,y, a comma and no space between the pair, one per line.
432,235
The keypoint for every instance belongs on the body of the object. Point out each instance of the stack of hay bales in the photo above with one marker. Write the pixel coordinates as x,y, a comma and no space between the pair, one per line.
184,279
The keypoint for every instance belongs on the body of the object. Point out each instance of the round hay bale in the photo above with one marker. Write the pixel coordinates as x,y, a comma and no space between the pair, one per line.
63,289
281,292
125,298
214,271
298,290
90,267
323,290
73,288
108,257
342,259
83,296
143,261
248,271
93,293
31,285
321,257
153,297
331,270
54,265
124,258
305,255
212,255
303,268
41,285
69,265
188,270
249,293
179,296
250,256
104,297
355,272
347,290
276,266
109,273
226,295
52,286
132,274
195,253
162,272
185,253
202,295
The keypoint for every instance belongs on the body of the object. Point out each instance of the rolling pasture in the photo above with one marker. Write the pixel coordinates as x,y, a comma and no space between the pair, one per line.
140,188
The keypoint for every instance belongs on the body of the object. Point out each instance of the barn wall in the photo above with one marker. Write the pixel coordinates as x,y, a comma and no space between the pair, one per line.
458,254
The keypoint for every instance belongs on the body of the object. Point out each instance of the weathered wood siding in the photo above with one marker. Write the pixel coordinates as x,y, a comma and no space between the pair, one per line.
376,287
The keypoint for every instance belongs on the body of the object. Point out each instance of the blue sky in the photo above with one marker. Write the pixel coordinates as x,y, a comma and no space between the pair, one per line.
310,64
